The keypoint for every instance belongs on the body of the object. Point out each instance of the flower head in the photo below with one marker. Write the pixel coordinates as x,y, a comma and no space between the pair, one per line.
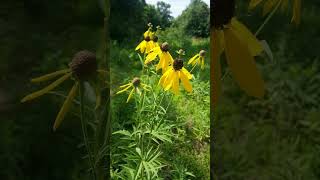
135,86
149,31
83,64
82,67
269,5
240,47
145,45
198,59
181,52
171,78
163,53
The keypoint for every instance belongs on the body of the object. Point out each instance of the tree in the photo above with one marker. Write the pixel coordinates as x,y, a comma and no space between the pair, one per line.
164,12
195,19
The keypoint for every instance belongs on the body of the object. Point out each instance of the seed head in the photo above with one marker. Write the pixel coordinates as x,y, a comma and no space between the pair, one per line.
177,64
202,53
83,64
136,81
147,38
164,47
222,11
155,38
181,52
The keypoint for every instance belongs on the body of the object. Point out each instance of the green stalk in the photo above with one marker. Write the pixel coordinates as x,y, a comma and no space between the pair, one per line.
103,132
267,19
193,67
84,129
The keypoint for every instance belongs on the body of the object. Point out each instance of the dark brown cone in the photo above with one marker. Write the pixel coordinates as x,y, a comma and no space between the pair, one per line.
177,64
202,53
136,81
221,12
155,38
147,38
164,47
83,64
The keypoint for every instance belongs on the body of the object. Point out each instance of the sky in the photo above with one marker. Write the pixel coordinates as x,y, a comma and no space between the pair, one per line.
177,6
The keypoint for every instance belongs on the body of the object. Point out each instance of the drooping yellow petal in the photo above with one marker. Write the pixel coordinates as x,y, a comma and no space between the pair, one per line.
161,62
164,77
66,106
217,38
125,89
150,57
242,64
46,89
125,85
49,76
192,60
185,82
142,46
175,82
145,87
147,33
254,45
167,84
149,46
202,62
186,72
284,4
169,58
130,95
165,60
254,3
268,6
296,12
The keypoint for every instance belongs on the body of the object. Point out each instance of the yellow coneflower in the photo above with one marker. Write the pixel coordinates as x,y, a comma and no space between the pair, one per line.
82,68
171,78
154,41
198,59
135,84
163,53
147,43
272,4
149,31
240,47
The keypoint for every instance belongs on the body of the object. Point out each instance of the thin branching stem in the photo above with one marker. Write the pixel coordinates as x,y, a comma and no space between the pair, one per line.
267,19
84,129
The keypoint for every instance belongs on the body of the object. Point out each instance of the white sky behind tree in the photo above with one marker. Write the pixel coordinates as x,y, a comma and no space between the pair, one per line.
177,6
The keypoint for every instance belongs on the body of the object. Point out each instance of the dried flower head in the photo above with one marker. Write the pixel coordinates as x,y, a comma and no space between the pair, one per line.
177,64
83,64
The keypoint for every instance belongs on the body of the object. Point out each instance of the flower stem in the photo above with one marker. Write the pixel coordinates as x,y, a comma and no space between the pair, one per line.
193,67
267,19
84,129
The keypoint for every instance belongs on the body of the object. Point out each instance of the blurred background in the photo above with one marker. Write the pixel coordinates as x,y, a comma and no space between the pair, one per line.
41,36
278,137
